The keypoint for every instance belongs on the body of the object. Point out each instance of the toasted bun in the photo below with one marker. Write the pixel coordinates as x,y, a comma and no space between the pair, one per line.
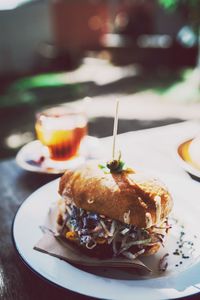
131,198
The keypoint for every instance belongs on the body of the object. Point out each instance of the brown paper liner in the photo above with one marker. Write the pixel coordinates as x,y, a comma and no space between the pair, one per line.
54,245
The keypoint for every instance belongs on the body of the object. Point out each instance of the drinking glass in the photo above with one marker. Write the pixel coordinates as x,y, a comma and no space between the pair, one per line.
61,129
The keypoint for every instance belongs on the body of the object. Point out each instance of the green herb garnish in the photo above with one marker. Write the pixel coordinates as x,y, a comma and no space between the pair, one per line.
104,169
115,166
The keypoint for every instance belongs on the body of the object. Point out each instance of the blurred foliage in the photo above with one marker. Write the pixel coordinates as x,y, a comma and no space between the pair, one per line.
39,81
44,89
191,6
15,98
185,90
173,4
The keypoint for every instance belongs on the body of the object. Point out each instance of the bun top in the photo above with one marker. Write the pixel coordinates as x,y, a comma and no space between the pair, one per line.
131,198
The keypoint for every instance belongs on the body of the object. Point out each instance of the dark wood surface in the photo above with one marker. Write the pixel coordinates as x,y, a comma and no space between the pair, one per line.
17,281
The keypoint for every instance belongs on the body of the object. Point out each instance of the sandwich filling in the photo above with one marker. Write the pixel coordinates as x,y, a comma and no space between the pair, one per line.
90,230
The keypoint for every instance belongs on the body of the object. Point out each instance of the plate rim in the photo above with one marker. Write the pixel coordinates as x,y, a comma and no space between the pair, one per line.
28,265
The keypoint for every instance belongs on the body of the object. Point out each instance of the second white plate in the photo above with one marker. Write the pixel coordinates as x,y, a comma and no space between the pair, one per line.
31,157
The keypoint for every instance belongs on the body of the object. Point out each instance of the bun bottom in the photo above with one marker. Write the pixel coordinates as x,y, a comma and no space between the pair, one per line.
105,251
150,250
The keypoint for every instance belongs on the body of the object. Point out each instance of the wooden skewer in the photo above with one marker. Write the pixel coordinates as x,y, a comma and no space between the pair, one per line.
115,129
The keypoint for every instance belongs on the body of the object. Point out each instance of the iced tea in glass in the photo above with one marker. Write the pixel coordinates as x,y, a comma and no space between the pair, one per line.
61,129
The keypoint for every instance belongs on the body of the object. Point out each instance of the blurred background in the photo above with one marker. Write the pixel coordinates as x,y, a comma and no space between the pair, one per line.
144,52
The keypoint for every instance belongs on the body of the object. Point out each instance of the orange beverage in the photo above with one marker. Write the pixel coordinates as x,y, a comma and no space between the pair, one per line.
61,130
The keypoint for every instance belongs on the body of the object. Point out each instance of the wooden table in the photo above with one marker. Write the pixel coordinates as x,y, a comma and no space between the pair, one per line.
17,281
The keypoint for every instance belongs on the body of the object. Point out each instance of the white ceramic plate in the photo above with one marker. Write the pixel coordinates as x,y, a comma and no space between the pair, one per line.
185,157
180,279
32,157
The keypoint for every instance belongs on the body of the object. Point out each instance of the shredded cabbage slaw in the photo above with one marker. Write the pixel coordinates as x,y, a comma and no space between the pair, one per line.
90,229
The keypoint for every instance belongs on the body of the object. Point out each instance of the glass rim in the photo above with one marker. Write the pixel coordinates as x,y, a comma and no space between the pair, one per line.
68,109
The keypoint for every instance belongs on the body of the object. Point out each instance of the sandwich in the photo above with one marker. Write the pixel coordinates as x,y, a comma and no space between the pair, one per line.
112,212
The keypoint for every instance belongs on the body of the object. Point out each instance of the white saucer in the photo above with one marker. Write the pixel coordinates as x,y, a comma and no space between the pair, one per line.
180,279
31,157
